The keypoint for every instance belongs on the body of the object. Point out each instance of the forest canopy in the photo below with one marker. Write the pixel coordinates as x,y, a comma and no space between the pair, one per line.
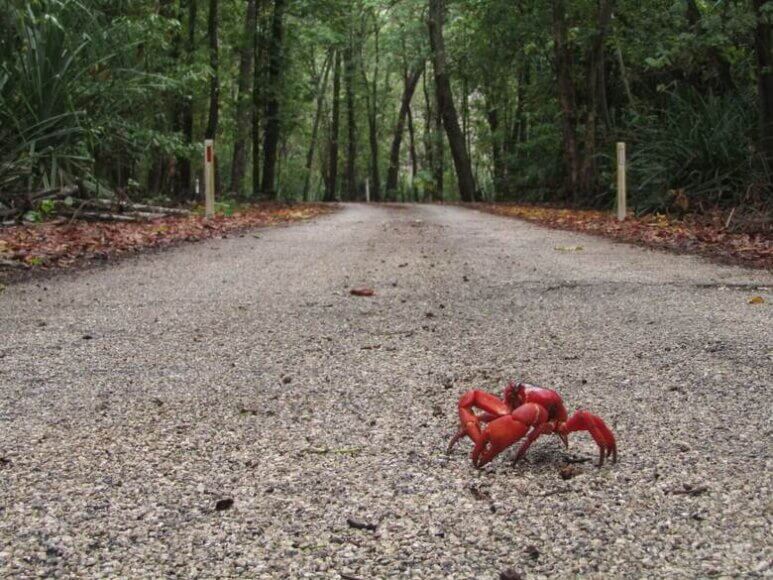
394,99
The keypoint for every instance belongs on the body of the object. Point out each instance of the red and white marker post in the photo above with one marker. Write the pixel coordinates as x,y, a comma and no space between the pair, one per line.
621,183
209,179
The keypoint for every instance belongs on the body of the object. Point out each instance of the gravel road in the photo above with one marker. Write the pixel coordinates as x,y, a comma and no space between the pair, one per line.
228,409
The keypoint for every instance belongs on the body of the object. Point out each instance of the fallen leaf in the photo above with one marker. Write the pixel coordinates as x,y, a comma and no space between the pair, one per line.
224,504
569,248
56,244
757,300
358,524
362,292
479,494
706,233
568,472
533,552
688,489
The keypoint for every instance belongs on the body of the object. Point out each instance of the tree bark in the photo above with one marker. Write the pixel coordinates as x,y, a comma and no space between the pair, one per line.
371,97
186,112
566,98
412,151
214,63
445,102
351,122
763,41
716,58
243,101
258,75
492,115
429,142
411,80
588,170
271,139
332,174
321,87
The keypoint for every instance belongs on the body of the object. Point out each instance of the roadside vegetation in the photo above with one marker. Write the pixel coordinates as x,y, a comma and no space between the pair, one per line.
408,100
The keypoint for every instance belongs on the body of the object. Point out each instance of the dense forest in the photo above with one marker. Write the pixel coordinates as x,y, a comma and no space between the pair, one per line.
401,99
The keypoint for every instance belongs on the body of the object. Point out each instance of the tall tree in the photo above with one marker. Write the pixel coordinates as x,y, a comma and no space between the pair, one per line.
445,102
351,119
271,140
371,102
243,101
763,43
186,112
259,49
331,182
410,82
321,88
214,63
588,171
566,98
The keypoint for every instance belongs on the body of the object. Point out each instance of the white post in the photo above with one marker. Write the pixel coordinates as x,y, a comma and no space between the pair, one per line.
621,182
209,178
367,190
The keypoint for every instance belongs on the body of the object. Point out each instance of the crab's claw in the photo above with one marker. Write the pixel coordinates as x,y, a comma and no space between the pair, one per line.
602,435
469,422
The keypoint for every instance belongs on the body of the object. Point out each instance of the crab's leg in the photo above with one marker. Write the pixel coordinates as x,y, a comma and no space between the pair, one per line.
602,435
545,429
503,432
492,406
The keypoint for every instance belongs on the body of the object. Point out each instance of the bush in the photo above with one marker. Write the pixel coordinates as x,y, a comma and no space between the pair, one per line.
698,149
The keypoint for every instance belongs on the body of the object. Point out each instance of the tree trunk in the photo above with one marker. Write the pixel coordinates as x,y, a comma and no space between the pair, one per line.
271,140
186,112
716,58
258,76
492,115
566,98
412,151
429,143
332,174
410,82
763,38
588,170
321,87
351,123
243,101
445,102
214,84
371,93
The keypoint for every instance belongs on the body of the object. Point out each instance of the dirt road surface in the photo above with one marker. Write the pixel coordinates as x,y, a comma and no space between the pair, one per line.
228,409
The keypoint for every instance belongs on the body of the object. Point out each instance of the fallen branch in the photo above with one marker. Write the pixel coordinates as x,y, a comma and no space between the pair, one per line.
119,206
104,217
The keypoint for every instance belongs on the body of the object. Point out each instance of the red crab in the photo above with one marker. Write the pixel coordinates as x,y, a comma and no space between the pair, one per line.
522,407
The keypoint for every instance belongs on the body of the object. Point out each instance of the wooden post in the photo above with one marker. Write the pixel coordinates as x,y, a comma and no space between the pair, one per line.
367,190
209,178
621,182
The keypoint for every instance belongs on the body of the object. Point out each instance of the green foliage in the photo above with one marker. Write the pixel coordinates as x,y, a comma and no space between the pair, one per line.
66,83
93,91
702,144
